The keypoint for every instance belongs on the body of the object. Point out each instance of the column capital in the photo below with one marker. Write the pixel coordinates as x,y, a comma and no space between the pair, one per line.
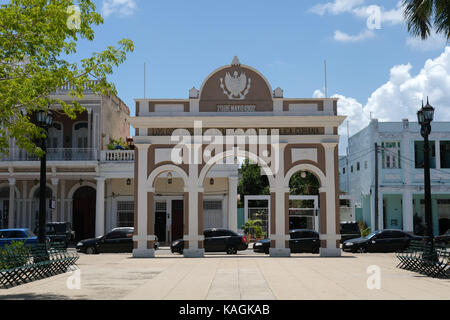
193,189
89,110
100,179
55,181
142,146
233,178
329,145
12,181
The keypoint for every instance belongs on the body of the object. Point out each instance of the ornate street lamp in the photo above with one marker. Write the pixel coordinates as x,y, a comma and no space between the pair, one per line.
45,121
425,117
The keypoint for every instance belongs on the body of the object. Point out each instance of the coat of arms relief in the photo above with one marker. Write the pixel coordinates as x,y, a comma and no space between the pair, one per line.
235,87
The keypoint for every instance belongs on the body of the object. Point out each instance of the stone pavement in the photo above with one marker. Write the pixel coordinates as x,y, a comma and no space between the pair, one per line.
247,276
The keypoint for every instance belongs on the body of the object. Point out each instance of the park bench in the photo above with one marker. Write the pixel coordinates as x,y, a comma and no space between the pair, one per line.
426,259
34,263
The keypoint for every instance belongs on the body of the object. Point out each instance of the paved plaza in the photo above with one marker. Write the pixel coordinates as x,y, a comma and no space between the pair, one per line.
247,276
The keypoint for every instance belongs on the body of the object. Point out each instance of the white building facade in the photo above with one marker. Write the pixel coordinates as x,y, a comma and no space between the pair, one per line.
401,175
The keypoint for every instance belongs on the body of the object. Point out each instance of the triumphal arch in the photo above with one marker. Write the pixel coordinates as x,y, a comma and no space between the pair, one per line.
236,114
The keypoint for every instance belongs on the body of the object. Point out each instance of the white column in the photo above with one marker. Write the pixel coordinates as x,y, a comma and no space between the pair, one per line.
232,203
12,185
408,212
55,182
142,202
24,204
100,208
109,212
90,133
63,215
331,237
280,189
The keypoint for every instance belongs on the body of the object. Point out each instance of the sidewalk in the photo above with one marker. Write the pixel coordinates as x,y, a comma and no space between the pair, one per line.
246,276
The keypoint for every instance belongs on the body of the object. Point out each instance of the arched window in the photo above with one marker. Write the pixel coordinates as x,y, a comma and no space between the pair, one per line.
80,135
55,136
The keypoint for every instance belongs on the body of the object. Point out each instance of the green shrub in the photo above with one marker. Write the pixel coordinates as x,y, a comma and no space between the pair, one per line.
14,255
250,227
363,228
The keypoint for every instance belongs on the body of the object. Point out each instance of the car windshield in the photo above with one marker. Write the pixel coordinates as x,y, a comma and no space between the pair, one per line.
56,228
30,234
371,235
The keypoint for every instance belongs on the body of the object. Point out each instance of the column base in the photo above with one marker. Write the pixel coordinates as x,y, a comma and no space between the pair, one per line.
194,253
279,253
334,252
143,253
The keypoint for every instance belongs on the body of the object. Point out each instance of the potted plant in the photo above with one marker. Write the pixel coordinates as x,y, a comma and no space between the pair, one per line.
249,228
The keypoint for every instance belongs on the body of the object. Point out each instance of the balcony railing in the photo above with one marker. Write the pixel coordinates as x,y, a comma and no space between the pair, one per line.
117,156
54,154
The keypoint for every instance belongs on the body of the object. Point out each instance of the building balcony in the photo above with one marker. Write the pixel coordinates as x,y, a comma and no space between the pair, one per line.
54,154
117,156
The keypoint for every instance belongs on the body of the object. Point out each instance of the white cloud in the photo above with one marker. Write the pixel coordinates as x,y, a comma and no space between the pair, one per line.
434,42
336,7
344,37
120,7
401,96
376,16
389,17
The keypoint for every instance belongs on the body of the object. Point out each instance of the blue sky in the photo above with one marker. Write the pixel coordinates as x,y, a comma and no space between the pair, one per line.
287,40
183,41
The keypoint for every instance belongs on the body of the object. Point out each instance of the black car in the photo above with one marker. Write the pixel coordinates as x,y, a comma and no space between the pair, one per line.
380,241
119,240
302,241
443,239
349,230
217,240
60,232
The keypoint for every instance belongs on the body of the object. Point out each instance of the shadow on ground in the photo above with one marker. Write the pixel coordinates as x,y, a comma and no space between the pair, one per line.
32,296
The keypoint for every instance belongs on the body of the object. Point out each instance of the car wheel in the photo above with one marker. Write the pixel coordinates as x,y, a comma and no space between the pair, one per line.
91,250
316,250
231,250
267,251
361,250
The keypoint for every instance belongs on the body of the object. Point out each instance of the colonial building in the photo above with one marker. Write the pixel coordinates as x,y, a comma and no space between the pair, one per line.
92,187
87,184
235,114
401,175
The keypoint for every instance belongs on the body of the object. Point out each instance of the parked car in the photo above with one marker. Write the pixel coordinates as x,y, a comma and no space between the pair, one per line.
443,239
59,232
7,236
349,230
217,240
380,241
302,240
118,240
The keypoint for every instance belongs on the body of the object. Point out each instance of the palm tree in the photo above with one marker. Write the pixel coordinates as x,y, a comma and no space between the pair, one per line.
419,15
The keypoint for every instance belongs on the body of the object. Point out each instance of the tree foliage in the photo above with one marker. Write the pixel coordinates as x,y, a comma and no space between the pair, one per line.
422,16
37,39
304,186
252,182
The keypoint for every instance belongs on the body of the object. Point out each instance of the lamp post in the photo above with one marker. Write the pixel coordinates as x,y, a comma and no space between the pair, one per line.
45,121
425,117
